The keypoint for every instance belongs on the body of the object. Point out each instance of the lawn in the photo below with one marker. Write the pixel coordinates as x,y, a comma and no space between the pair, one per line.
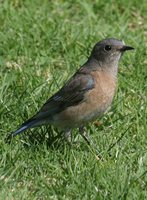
42,44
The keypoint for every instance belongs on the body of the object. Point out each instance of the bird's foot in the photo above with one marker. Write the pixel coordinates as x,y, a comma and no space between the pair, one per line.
84,134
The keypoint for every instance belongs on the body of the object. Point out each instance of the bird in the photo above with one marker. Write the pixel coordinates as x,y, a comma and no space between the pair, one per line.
86,95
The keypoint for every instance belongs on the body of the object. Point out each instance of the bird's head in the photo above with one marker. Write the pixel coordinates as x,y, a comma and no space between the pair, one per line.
109,51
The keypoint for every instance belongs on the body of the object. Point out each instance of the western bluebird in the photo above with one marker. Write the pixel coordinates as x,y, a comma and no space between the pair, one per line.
86,95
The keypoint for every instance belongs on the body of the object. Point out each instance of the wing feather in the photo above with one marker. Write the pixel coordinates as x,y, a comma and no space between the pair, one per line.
72,93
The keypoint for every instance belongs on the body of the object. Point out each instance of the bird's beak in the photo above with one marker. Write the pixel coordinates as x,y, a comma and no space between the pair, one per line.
126,48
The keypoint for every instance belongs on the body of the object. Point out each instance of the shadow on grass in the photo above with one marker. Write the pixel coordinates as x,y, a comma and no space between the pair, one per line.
51,137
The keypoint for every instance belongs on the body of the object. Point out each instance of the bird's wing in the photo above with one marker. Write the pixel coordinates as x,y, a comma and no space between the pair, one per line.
72,93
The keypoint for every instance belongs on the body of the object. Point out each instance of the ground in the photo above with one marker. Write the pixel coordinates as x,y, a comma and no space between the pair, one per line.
42,43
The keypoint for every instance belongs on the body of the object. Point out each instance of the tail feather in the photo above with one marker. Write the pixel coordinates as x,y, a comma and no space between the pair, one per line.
26,125
20,130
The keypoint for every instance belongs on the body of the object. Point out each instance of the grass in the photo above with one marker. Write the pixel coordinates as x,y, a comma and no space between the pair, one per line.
42,43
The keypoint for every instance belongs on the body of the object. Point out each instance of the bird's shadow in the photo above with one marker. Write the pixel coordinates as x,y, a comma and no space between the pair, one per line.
54,138
51,137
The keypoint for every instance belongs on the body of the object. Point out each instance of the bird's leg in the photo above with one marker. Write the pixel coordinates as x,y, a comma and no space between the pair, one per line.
84,134
68,135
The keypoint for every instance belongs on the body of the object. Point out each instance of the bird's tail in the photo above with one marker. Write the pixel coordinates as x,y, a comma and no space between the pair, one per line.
26,125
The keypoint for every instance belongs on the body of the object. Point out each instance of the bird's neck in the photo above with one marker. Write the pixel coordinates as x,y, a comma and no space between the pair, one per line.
95,65
111,69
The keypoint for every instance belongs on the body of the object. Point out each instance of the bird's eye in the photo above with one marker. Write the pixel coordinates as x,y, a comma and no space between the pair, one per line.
107,48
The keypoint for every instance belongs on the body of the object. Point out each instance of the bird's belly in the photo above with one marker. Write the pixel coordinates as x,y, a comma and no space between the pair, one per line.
90,109
95,107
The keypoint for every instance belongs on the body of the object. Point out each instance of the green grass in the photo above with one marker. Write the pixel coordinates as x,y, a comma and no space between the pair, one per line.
42,43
